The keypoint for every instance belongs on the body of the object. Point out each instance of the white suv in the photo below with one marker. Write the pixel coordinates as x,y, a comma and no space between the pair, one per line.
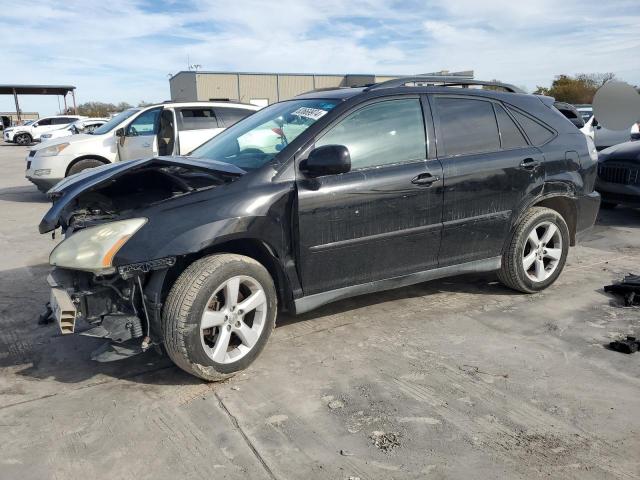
27,134
163,129
86,125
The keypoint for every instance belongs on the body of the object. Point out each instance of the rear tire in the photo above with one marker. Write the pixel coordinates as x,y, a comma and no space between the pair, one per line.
211,332
84,165
537,251
608,205
23,139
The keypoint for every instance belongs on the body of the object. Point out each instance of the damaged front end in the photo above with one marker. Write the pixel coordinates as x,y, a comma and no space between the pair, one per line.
114,307
99,212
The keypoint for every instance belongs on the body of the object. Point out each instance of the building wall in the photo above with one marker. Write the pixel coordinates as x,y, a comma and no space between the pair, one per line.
24,116
269,87
291,85
217,86
258,87
183,87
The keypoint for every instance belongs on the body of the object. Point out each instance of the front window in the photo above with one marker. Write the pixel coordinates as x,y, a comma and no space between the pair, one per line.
115,121
256,140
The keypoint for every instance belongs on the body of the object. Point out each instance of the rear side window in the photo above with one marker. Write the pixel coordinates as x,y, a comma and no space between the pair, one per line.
200,118
383,133
233,115
510,135
61,121
467,126
537,133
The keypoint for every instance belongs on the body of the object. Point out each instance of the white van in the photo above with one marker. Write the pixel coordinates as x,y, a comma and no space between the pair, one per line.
163,129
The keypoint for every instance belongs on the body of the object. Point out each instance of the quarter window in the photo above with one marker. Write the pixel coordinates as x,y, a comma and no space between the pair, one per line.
198,118
145,124
380,134
467,126
537,133
510,135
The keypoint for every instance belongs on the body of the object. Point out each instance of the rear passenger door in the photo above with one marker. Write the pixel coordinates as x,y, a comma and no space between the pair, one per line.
489,168
196,125
382,219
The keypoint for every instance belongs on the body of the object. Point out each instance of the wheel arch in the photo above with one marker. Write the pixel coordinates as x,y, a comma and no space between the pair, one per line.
564,204
85,157
160,282
566,207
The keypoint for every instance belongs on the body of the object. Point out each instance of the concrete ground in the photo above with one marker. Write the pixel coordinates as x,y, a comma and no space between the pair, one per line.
459,378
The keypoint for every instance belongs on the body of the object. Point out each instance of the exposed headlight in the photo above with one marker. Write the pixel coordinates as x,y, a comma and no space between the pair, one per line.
93,248
52,151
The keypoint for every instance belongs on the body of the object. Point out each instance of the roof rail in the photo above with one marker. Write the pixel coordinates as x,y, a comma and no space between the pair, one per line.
443,81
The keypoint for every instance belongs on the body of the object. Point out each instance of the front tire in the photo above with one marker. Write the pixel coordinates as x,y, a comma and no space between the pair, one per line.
84,165
219,315
23,139
537,251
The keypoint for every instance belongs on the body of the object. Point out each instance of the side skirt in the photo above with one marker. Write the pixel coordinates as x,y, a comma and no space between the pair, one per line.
311,302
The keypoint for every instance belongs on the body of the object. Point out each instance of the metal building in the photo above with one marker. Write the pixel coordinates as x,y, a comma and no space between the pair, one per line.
265,88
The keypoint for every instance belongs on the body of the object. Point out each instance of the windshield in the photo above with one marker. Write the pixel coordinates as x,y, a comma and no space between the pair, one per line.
115,121
257,139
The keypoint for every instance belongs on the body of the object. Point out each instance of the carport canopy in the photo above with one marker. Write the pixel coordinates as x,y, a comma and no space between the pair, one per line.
61,90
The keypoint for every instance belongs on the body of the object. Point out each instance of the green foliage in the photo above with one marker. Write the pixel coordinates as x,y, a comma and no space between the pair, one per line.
99,109
577,89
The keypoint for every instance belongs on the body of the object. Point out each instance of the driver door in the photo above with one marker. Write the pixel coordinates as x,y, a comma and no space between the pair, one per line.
140,138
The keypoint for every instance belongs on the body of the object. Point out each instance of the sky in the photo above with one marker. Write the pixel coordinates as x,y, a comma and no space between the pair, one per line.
125,50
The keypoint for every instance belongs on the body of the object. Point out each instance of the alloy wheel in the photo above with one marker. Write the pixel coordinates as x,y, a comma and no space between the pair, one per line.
542,251
233,320
22,140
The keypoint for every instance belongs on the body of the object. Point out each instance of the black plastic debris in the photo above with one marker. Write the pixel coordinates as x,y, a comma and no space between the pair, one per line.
628,289
629,345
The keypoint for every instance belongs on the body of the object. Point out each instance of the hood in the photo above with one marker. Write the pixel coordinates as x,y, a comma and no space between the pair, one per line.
629,151
71,139
147,180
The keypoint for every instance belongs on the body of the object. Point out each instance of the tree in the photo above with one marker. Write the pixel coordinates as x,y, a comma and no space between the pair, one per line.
577,89
100,109
143,104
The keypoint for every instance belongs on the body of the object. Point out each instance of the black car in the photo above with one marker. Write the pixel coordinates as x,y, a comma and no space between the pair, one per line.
325,196
619,175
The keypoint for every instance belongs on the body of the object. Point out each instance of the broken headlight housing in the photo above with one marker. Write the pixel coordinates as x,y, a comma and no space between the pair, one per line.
93,248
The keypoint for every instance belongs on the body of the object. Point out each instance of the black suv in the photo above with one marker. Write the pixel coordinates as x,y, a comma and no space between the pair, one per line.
328,195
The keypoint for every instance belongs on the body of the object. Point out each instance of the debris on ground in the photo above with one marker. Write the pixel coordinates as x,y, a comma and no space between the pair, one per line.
346,453
628,345
385,441
628,289
335,404
472,369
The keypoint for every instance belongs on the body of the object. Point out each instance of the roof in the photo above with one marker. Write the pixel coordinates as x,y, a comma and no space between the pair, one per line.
36,89
466,73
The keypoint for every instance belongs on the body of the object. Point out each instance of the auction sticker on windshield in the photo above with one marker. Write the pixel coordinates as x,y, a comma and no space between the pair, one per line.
312,113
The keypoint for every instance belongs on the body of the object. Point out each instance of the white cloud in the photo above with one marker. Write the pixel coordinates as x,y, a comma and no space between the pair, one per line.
123,50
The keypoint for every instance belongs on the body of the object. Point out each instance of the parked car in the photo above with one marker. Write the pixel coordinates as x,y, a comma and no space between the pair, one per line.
28,133
586,111
571,112
619,175
604,137
163,129
87,125
366,189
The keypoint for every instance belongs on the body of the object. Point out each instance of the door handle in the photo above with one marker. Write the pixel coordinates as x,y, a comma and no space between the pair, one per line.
425,179
529,164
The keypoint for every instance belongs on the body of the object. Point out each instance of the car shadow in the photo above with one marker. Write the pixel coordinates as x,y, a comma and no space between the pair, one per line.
618,217
26,194
41,352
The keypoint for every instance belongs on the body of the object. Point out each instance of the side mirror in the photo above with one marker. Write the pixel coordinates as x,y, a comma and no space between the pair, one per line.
120,132
34,125
327,160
